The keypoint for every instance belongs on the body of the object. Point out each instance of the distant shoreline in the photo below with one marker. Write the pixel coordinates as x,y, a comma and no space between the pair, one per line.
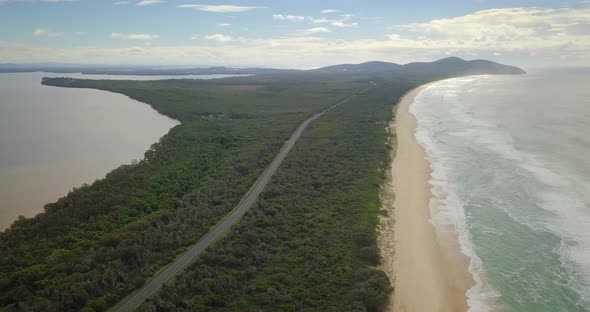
428,274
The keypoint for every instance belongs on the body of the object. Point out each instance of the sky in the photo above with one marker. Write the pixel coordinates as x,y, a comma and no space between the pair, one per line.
294,34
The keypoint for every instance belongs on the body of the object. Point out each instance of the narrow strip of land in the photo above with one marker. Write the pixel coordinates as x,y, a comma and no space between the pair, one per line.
133,301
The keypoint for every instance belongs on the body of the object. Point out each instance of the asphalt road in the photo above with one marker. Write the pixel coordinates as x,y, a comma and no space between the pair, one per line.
131,302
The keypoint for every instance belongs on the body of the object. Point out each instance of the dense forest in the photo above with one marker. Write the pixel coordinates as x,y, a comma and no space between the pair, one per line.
308,244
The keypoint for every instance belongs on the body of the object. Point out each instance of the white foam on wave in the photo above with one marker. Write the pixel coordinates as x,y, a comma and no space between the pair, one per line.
571,222
573,227
447,209
502,143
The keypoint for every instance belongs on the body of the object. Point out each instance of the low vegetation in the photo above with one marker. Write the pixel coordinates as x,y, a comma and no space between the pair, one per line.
310,242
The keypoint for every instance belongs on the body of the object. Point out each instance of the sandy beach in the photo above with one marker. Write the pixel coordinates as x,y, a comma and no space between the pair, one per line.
428,271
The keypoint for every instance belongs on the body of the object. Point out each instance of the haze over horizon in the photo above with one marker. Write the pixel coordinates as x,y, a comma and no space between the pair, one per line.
305,34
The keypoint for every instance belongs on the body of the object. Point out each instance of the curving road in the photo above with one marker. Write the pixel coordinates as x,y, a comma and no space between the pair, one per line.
131,302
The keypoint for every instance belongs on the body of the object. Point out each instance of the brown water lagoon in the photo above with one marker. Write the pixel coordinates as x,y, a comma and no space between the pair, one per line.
53,139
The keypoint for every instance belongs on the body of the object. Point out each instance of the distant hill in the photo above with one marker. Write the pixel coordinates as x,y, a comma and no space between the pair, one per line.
368,67
452,66
446,66
455,65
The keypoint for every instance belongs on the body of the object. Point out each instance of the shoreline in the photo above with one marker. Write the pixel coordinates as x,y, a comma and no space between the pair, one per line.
426,268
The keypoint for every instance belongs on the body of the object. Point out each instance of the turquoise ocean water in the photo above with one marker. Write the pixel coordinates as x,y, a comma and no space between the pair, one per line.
511,174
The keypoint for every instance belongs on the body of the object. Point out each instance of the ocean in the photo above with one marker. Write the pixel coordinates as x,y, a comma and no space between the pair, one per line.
510,160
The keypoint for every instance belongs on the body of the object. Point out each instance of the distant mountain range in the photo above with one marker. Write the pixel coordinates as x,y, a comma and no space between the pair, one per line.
448,66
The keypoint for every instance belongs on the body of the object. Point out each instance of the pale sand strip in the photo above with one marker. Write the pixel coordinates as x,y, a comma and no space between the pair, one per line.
426,276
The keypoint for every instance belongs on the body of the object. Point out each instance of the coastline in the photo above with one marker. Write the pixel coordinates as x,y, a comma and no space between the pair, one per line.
427,270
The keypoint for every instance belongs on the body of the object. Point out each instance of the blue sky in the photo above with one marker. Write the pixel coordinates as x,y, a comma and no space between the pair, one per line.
297,34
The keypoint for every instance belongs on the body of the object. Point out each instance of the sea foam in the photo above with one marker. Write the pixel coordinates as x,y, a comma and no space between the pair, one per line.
572,223
447,209
569,222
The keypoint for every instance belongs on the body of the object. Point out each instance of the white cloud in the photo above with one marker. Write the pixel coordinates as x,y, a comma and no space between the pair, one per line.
224,8
148,2
343,21
509,29
121,3
328,11
224,24
39,32
142,37
42,32
135,50
343,24
219,38
318,30
292,18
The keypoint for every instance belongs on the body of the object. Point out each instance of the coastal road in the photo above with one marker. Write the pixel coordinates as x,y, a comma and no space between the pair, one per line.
133,301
